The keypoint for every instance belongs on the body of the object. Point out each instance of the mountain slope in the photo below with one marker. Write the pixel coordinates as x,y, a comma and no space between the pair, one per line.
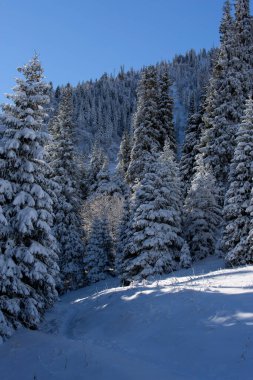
193,324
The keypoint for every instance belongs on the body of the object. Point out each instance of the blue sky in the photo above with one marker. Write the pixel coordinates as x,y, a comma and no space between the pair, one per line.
81,39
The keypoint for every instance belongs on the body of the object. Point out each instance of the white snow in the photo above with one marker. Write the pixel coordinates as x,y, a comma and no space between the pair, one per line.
195,324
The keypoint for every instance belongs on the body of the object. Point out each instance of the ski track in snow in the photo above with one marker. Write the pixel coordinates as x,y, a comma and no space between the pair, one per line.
195,324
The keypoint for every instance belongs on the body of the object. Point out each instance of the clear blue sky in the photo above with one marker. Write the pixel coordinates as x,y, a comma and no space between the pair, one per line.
81,39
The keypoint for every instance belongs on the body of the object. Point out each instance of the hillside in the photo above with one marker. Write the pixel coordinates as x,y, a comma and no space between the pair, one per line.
104,108
193,324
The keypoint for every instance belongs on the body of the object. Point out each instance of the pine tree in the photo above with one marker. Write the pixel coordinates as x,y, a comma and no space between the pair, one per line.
224,104
106,183
147,132
97,160
124,154
185,256
8,269
190,150
165,107
65,172
202,214
103,180
121,187
28,259
244,35
237,200
154,237
97,260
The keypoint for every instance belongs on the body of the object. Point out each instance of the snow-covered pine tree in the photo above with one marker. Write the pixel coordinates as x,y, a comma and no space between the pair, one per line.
202,214
244,35
190,149
154,237
224,104
107,183
236,212
147,132
8,268
97,260
165,107
124,153
103,180
28,259
97,160
121,187
65,172
185,256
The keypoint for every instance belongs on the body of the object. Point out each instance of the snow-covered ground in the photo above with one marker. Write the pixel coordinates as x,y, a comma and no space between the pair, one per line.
196,324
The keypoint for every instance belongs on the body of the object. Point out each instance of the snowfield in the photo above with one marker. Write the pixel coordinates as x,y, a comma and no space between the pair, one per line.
196,324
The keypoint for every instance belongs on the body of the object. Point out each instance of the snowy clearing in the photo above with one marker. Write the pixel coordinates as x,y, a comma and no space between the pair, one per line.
193,324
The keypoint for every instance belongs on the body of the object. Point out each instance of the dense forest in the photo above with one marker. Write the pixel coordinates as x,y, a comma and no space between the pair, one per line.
133,175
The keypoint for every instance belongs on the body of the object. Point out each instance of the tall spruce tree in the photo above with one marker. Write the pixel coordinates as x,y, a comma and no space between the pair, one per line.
28,259
202,214
147,132
65,172
103,180
237,216
190,149
224,104
108,184
154,236
97,160
185,256
98,258
244,35
165,107
124,153
152,122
